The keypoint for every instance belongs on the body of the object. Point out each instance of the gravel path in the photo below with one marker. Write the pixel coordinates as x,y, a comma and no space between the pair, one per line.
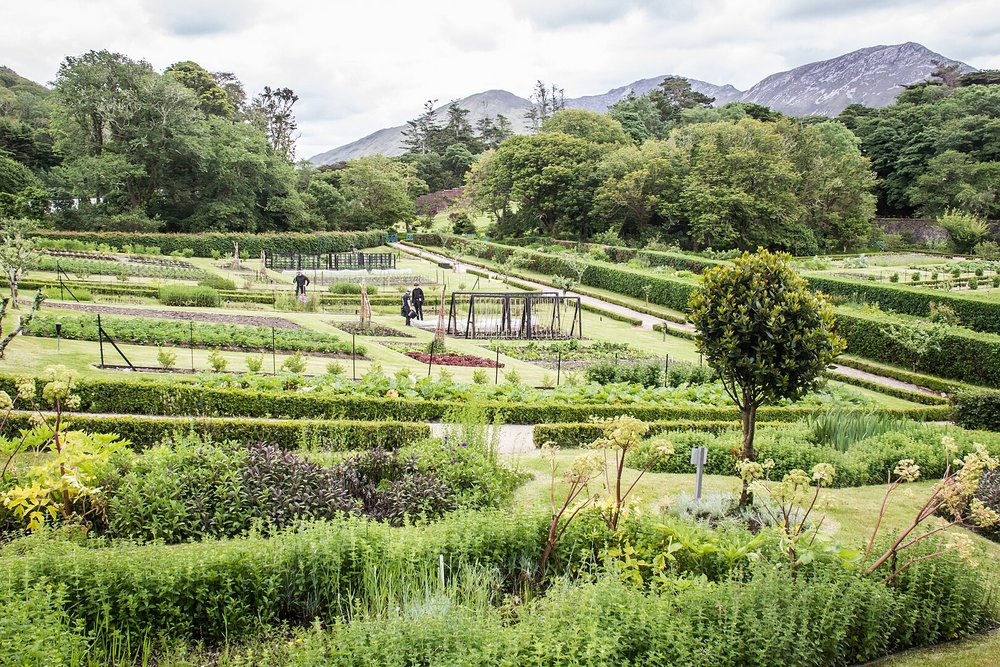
882,380
514,438
212,318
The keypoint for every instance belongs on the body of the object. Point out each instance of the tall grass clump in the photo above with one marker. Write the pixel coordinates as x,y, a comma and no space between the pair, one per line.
840,428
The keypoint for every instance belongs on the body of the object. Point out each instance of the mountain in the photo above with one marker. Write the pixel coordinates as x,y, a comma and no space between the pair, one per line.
872,76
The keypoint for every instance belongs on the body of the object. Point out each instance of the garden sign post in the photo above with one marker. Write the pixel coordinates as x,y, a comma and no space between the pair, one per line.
699,457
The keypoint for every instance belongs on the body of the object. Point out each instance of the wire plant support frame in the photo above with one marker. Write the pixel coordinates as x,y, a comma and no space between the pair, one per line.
514,315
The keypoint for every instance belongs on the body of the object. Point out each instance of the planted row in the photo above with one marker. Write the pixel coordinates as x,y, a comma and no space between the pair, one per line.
106,267
148,331
979,314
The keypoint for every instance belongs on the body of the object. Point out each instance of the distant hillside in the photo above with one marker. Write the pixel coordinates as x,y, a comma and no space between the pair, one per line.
23,98
872,76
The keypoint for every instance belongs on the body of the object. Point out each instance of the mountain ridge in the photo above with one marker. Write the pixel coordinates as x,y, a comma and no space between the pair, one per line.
872,76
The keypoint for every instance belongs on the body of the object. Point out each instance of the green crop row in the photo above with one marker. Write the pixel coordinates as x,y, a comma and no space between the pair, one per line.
288,434
110,267
148,331
209,243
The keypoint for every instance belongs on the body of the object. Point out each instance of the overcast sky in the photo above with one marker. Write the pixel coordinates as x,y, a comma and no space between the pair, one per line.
361,66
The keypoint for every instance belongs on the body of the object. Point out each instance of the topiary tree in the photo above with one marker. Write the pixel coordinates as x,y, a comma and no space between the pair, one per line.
765,332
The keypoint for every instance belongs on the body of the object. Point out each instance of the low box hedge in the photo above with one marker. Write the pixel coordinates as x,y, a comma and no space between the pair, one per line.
143,432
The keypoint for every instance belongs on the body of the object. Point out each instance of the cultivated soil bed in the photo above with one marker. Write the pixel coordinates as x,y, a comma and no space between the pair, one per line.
212,318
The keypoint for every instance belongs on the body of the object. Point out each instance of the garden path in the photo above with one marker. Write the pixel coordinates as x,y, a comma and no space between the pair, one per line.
514,438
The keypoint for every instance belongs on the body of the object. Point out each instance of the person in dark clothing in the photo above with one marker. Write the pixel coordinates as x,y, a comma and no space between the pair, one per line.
407,309
418,301
300,284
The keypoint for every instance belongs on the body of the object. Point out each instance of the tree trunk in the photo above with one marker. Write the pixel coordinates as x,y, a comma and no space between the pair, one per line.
749,429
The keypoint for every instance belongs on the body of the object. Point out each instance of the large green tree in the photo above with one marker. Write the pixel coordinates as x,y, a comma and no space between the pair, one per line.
765,332
740,186
379,192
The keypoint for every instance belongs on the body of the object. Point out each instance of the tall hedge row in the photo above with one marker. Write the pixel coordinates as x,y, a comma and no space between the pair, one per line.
978,410
143,432
158,397
964,355
976,313
205,244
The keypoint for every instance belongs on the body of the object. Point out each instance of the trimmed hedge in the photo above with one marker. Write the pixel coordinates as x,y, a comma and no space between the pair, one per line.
572,436
287,434
977,314
152,397
966,356
222,243
978,410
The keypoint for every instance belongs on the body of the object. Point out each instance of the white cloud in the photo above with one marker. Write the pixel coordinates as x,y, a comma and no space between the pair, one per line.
359,67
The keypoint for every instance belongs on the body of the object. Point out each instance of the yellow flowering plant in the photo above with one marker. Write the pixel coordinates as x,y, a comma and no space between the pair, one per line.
790,503
954,495
63,483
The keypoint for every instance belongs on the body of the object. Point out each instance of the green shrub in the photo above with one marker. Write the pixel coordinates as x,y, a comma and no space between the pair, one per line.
218,283
254,363
217,360
37,629
352,288
295,364
184,295
166,357
648,374
894,278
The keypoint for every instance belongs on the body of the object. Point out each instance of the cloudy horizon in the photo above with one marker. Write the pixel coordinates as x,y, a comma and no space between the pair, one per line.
361,68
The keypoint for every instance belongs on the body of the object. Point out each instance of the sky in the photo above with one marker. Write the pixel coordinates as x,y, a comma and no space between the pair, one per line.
360,66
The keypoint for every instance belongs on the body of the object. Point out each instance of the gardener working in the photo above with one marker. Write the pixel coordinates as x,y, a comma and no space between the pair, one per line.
418,301
300,284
